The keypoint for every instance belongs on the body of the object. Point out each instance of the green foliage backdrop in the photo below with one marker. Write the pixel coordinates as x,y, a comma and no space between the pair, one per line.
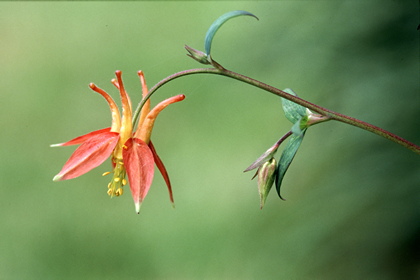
352,206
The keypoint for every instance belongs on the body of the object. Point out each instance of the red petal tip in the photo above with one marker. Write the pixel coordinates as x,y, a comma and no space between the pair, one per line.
56,145
57,178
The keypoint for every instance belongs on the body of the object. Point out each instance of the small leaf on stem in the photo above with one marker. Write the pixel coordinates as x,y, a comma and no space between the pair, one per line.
292,111
218,23
286,158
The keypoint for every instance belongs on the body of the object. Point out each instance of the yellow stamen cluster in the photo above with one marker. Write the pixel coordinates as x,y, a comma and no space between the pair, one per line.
115,187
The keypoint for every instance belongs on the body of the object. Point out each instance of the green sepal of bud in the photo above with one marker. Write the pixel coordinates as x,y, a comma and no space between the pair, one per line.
197,55
266,177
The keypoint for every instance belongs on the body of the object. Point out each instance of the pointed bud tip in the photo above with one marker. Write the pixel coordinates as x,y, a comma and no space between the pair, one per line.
197,55
56,145
262,201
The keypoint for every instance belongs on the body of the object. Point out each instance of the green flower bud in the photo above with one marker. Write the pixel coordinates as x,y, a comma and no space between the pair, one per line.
197,55
266,177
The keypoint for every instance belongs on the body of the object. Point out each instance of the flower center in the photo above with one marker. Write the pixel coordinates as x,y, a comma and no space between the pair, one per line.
115,187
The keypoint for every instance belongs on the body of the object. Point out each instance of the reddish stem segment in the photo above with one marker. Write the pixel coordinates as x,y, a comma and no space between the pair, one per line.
315,108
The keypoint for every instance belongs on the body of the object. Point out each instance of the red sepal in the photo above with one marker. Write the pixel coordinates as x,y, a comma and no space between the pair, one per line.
83,138
139,165
89,155
162,170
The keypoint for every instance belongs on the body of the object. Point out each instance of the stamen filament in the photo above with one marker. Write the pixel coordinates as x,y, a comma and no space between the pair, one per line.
115,187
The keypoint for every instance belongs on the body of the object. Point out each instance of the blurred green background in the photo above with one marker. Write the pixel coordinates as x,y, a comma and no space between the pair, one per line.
352,209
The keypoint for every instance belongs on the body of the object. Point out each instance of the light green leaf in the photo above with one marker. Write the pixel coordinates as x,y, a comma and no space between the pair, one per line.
300,125
292,111
218,23
287,156
296,127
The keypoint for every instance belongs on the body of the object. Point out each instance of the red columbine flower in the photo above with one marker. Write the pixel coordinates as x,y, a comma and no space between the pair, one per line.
132,153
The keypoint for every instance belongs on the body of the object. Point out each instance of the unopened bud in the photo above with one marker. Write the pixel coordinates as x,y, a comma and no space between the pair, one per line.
197,55
266,177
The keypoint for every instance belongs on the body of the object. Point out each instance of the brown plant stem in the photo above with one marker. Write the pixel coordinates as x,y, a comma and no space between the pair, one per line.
330,115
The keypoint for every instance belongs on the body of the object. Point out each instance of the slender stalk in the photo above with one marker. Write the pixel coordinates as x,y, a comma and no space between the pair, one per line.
315,108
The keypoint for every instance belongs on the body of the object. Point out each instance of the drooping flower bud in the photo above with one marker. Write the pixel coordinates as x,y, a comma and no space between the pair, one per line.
266,177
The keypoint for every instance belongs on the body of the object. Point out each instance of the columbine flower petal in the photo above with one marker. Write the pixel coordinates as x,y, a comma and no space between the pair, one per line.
89,155
139,164
115,113
146,107
144,130
126,124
